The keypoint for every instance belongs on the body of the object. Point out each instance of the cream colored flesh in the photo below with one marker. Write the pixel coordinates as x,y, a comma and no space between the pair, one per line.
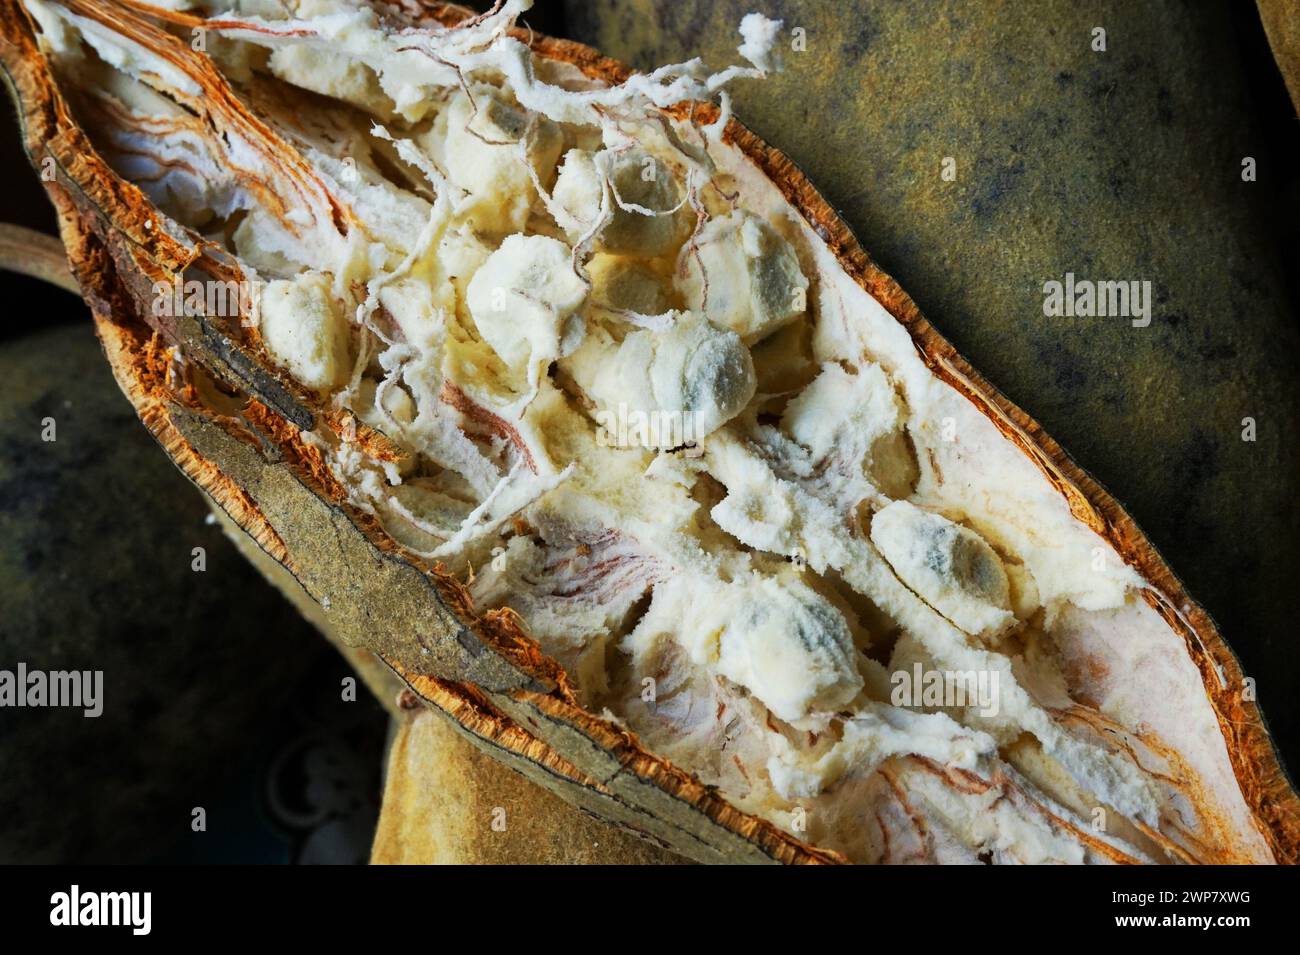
730,500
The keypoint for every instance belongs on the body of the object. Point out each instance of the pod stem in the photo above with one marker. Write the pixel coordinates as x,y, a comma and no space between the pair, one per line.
33,253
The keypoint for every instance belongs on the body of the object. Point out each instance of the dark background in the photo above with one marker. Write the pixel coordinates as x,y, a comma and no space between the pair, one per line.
1122,165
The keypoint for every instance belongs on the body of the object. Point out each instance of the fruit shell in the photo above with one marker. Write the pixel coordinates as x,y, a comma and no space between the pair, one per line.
483,670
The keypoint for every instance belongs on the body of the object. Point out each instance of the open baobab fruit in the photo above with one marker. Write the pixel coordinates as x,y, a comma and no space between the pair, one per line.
556,388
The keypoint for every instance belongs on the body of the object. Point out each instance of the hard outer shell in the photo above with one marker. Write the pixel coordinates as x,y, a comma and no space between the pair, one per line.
443,792
379,679
443,797
260,472
1281,20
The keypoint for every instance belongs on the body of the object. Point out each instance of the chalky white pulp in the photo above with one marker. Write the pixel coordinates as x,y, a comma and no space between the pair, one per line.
536,261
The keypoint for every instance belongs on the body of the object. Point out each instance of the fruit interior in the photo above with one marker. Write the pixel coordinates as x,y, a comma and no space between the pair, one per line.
636,399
